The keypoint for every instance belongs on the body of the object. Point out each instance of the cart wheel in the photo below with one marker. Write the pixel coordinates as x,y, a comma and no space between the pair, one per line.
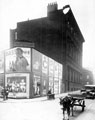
83,105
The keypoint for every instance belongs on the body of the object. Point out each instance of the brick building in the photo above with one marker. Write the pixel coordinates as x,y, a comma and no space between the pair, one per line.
57,36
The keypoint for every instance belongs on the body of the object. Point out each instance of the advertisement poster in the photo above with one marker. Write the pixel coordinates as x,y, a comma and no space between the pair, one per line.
36,60
37,85
55,69
2,62
60,71
56,86
44,85
60,82
18,60
51,84
18,85
51,67
44,64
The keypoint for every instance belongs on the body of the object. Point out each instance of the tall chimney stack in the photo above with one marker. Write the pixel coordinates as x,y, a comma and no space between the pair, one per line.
52,7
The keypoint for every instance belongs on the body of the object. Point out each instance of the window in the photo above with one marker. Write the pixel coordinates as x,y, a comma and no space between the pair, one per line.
15,35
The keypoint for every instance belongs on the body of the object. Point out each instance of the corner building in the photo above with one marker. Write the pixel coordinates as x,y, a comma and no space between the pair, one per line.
29,73
58,37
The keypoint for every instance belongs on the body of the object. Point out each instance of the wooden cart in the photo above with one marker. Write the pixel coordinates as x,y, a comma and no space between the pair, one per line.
77,100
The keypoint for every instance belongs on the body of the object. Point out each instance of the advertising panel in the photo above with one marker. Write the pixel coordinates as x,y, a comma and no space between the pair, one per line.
51,84
37,85
36,60
2,62
55,69
18,60
56,85
44,64
60,76
60,70
44,85
60,82
18,84
51,67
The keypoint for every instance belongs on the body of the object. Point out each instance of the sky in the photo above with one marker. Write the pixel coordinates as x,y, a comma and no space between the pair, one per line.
13,11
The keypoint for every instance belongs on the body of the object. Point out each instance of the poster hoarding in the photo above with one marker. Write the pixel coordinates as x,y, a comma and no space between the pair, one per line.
44,85
51,67
56,85
18,84
55,69
44,64
36,61
18,60
2,62
37,85
60,69
51,84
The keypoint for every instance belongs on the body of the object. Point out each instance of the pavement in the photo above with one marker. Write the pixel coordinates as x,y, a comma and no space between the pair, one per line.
32,99
45,106
36,99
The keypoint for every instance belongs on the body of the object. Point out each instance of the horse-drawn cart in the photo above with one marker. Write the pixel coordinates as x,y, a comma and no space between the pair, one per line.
77,100
68,102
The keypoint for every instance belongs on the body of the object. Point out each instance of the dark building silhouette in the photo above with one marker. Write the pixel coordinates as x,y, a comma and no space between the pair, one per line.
58,36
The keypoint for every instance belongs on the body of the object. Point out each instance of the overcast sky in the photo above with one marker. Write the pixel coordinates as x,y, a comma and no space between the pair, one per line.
13,11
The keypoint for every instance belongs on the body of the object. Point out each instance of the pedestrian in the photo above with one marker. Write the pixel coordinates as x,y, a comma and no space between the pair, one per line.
6,92
49,91
3,94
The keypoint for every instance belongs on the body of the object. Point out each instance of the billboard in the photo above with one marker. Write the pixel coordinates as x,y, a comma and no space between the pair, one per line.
18,84
51,67
2,62
55,69
51,84
18,60
37,85
56,85
44,64
36,61
60,69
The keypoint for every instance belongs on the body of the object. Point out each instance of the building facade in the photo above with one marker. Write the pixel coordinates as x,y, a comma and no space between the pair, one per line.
58,37
87,77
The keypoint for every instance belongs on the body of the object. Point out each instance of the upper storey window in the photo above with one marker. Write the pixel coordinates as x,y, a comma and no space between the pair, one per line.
66,9
15,35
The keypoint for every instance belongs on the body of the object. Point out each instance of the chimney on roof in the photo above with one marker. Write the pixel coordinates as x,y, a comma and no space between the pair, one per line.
52,7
